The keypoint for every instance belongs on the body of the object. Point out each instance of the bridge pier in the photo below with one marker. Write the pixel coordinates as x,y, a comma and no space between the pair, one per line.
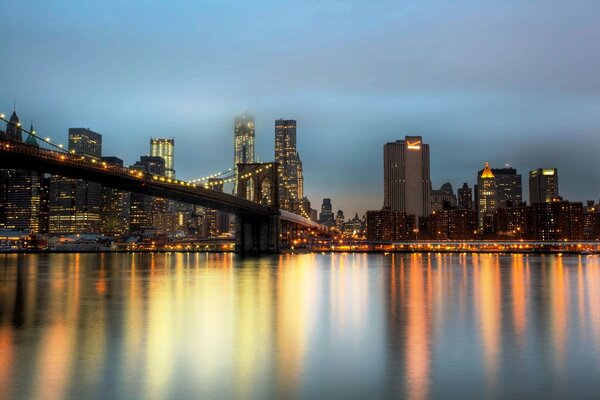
255,234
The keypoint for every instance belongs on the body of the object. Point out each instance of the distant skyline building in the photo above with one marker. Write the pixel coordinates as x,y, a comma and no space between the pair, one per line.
543,185
243,136
165,148
407,184
465,196
443,198
13,128
291,180
143,207
509,192
115,206
487,199
216,222
327,217
75,204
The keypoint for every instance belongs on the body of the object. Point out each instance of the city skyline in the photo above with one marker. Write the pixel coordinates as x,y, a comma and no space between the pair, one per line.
524,104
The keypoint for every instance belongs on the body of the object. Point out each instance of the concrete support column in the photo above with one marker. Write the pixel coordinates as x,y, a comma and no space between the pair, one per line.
258,234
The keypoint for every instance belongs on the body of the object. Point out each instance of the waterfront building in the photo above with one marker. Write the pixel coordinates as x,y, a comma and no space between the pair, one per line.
326,217
243,136
515,222
443,198
165,148
291,180
487,199
558,220
75,204
386,225
407,185
465,196
543,185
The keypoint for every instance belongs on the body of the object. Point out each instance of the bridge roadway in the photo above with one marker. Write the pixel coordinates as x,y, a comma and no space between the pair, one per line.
17,155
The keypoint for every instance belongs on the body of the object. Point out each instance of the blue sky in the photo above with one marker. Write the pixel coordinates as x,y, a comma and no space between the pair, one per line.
504,81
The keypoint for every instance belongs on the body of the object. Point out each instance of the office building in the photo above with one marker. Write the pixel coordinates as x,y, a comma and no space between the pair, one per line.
115,206
291,180
543,185
407,185
143,207
164,148
75,204
243,137
508,187
487,199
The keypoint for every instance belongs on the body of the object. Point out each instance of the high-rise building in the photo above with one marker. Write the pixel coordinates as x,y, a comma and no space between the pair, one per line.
543,185
487,197
407,185
558,220
465,197
243,137
291,179
164,148
143,207
75,204
386,225
327,217
23,193
115,206
508,187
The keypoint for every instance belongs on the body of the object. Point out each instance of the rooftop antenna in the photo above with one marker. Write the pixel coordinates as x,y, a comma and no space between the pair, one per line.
14,104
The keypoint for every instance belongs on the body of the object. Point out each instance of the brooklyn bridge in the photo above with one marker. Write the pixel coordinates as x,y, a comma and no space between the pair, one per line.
261,223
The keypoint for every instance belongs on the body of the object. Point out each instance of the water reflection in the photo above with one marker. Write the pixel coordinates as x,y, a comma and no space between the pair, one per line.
301,326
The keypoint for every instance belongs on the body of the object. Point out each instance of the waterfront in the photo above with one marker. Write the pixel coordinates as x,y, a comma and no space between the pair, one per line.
195,325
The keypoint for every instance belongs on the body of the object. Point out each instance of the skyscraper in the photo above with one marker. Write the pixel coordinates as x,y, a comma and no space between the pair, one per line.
115,206
465,196
443,198
164,148
508,187
75,204
487,198
291,180
24,193
543,185
143,207
243,136
407,185
327,217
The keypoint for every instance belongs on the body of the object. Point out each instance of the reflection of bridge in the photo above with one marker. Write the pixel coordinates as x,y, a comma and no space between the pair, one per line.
257,211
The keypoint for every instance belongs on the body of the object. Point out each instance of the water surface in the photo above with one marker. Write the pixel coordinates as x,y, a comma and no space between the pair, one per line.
219,326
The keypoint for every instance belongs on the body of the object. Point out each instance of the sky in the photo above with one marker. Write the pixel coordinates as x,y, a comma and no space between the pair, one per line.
509,82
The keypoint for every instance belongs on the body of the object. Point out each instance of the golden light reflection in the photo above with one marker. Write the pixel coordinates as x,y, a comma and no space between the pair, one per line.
559,303
519,284
488,280
417,329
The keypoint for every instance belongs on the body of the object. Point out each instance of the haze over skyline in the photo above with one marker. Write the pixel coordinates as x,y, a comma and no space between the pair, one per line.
504,82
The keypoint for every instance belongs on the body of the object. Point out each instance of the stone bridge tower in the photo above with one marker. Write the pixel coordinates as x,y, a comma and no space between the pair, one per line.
258,182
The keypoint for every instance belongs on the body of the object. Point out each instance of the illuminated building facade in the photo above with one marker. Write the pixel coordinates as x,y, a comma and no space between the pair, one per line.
291,180
407,185
115,206
509,192
164,148
243,137
515,222
143,207
487,199
558,220
386,225
75,204
543,185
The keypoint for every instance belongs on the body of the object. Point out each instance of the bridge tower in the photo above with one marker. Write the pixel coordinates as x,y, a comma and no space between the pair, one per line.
258,182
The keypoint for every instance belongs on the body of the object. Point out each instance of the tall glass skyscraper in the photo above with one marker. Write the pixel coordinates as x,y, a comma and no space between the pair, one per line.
407,185
243,136
291,180
164,148
543,185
